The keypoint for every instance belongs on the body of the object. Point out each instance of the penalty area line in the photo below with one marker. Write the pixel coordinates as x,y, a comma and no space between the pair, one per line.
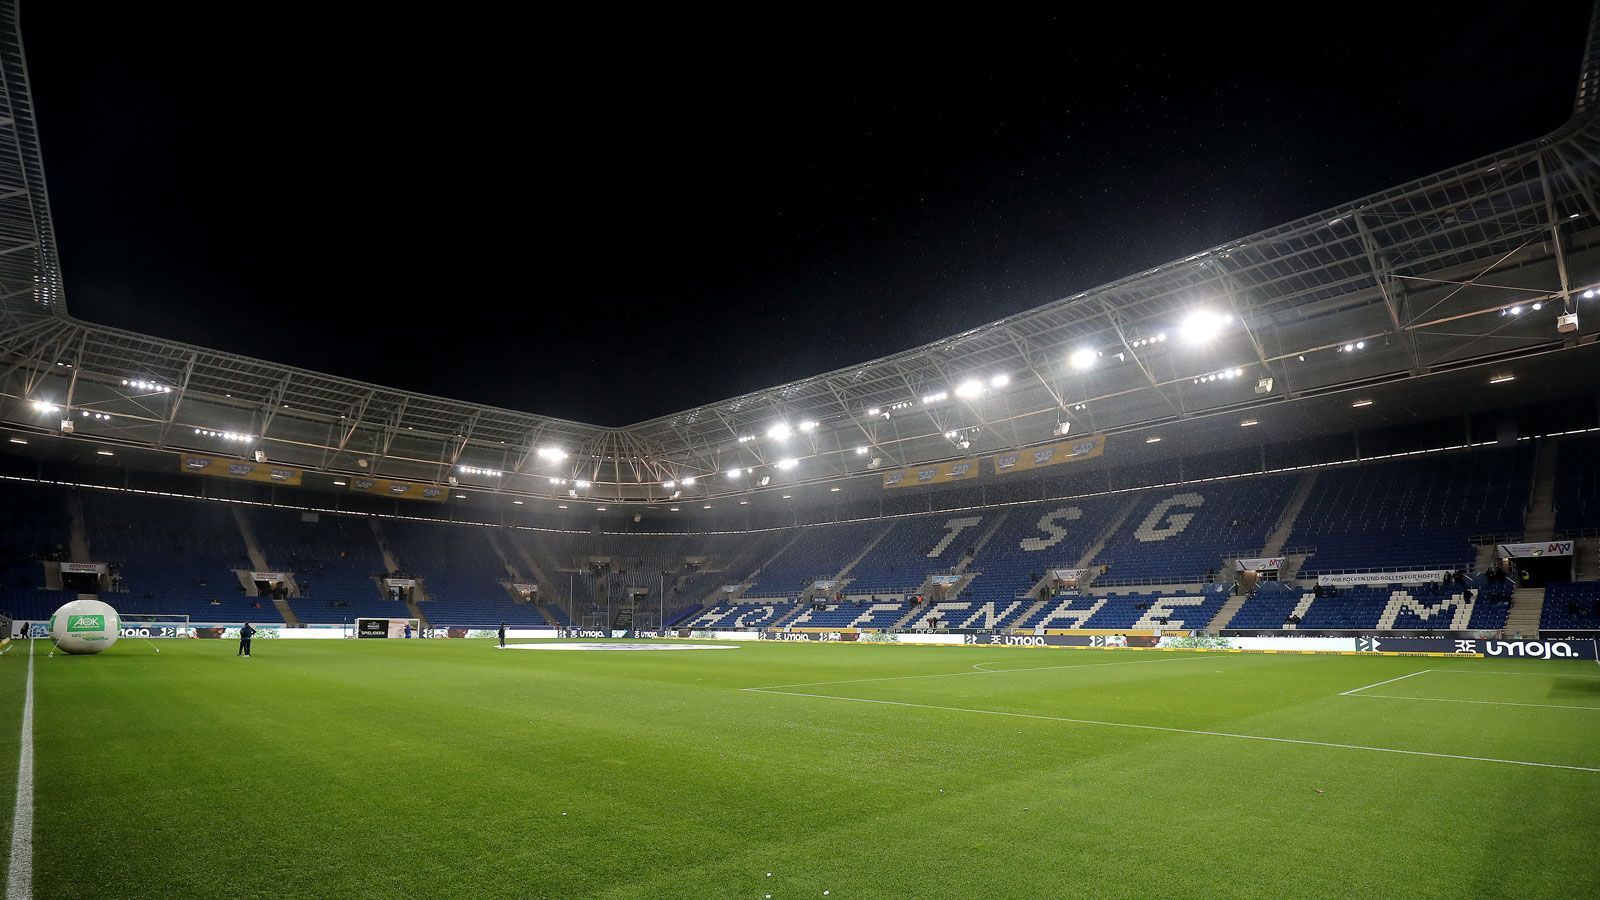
1193,731
19,873
1382,683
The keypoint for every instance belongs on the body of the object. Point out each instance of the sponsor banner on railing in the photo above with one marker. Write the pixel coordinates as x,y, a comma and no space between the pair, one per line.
405,490
810,635
1067,574
1414,576
1260,564
231,632
69,568
1576,649
521,588
944,580
942,473
1549,548
238,468
267,576
1086,447
824,585
400,582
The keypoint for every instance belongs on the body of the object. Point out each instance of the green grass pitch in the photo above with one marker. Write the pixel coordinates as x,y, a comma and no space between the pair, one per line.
452,769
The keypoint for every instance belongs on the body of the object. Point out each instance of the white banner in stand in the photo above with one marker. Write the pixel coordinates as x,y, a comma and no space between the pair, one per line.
1415,576
1261,564
1550,548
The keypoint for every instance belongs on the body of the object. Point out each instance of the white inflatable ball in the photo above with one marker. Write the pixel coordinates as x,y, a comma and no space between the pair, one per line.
85,626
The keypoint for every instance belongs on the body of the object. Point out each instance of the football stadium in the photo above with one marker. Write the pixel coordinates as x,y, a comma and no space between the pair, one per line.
1271,571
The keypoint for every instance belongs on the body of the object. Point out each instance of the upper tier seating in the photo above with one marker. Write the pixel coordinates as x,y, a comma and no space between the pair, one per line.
1413,513
461,574
1577,488
335,561
915,548
819,554
851,614
1033,538
176,557
1176,535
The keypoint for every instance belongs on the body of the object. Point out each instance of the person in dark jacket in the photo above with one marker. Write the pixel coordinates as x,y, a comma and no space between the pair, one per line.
502,635
245,634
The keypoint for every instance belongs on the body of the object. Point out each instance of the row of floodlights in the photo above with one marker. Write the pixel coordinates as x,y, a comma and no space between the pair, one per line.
226,435
142,385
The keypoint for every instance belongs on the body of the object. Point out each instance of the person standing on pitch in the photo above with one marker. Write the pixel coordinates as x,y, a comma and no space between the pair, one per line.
245,634
502,635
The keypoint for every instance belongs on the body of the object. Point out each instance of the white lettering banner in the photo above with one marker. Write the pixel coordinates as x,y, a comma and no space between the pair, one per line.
1067,574
1415,576
1551,548
266,576
1261,564
83,568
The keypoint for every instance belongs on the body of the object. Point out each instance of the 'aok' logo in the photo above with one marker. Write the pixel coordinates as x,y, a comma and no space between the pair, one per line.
86,623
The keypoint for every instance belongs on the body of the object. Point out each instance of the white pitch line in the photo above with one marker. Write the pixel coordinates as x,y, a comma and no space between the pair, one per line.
1486,702
1382,683
19,877
1135,662
1171,730
1509,672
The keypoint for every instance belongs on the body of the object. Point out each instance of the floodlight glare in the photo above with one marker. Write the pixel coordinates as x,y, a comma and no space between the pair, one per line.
807,425
669,484
861,451
779,432
582,484
688,481
999,381
552,454
735,473
970,388
1082,360
787,464
1202,325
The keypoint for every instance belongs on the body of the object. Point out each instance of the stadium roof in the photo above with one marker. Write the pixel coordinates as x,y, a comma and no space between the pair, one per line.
1466,269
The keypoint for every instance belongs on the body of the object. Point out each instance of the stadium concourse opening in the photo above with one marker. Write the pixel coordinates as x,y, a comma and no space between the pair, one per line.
1273,570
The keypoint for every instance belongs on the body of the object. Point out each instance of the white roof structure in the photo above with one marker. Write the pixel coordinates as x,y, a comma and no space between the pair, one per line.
1463,270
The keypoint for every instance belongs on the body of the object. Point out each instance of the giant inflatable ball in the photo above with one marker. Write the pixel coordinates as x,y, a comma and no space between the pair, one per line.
85,626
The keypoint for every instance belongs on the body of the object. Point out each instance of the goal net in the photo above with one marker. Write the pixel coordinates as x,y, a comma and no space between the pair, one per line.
387,628
153,626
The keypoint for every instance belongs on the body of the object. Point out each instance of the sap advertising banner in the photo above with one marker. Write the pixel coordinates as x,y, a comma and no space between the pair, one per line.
943,473
1087,447
1415,576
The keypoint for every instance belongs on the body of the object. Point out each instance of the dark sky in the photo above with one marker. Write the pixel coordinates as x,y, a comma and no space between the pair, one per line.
613,218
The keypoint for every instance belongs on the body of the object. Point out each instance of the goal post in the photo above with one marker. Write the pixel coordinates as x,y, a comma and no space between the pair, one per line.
387,628
139,625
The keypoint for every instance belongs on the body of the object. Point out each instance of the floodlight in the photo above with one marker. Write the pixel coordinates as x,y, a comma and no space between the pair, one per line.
581,484
779,432
1202,325
861,451
970,388
735,473
551,454
1082,360
688,481
669,484
785,465
999,381
807,425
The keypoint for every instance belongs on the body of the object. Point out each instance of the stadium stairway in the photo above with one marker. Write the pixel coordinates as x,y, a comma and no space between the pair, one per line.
391,564
1540,523
1297,501
977,548
78,538
1112,527
1527,607
845,572
251,547
537,571
1586,560
1225,614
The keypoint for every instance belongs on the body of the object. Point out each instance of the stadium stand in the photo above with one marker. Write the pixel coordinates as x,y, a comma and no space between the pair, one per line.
1374,608
1577,489
176,557
1034,538
1176,534
1130,610
461,574
820,554
335,561
1414,513
740,615
852,614
35,527
915,548
1572,606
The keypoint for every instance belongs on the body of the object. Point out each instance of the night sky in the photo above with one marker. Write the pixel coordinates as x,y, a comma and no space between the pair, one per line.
609,219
